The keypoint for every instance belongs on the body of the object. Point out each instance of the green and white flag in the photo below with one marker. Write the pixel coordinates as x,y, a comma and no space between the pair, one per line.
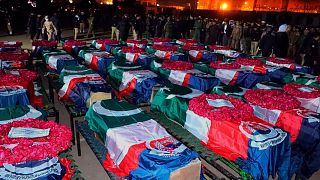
234,91
302,78
19,113
172,96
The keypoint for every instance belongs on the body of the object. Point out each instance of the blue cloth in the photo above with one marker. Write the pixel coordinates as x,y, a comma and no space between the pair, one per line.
153,166
143,90
37,50
260,165
81,93
208,56
54,172
306,148
202,83
109,48
145,61
178,57
63,63
13,97
103,64
249,79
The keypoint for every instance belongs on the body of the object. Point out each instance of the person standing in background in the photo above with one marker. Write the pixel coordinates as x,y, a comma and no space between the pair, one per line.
168,28
114,29
282,42
159,27
197,29
236,36
255,37
38,26
124,27
227,30
91,21
56,22
213,33
8,23
82,22
245,41
293,35
267,42
49,28
76,25
312,54
31,26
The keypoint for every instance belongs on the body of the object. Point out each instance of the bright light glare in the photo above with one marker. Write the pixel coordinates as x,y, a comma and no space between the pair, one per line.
245,2
224,6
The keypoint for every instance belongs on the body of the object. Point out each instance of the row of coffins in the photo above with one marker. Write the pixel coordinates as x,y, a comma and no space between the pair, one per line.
31,147
257,144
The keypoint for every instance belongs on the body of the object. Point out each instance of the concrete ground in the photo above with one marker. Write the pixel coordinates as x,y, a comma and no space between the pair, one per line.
88,164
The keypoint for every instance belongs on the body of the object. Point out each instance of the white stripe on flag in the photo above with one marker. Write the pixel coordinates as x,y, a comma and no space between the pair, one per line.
120,139
197,125
33,113
311,104
225,75
88,58
270,116
98,108
52,61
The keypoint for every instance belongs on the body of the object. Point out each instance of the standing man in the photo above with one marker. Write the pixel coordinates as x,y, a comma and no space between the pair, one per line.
82,22
168,28
114,27
197,29
38,26
32,29
312,57
227,30
124,27
49,28
76,25
236,36
56,22
8,23
255,37
92,22
282,42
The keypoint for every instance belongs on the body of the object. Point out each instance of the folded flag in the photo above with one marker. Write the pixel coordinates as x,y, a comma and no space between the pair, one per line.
40,45
56,62
138,147
133,81
202,55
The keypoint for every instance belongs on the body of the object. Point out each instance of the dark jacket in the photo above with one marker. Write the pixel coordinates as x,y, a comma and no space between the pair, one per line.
267,43
282,44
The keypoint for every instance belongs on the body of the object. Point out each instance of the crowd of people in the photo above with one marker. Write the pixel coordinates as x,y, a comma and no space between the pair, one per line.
256,38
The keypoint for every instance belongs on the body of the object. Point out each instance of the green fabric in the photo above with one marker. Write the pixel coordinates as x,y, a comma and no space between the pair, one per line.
100,123
205,68
300,78
82,52
175,108
46,54
116,50
75,70
155,65
234,91
117,68
15,112
150,50
270,85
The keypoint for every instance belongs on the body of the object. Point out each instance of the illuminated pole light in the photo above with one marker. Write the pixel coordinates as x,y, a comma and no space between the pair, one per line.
245,2
71,1
158,5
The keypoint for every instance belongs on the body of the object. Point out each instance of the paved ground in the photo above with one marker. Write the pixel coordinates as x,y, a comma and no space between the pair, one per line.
88,163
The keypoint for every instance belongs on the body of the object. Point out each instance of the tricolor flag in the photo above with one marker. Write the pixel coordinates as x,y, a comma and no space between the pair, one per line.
72,75
239,77
202,55
99,61
133,81
12,96
259,148
56,62
138,147
189,78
